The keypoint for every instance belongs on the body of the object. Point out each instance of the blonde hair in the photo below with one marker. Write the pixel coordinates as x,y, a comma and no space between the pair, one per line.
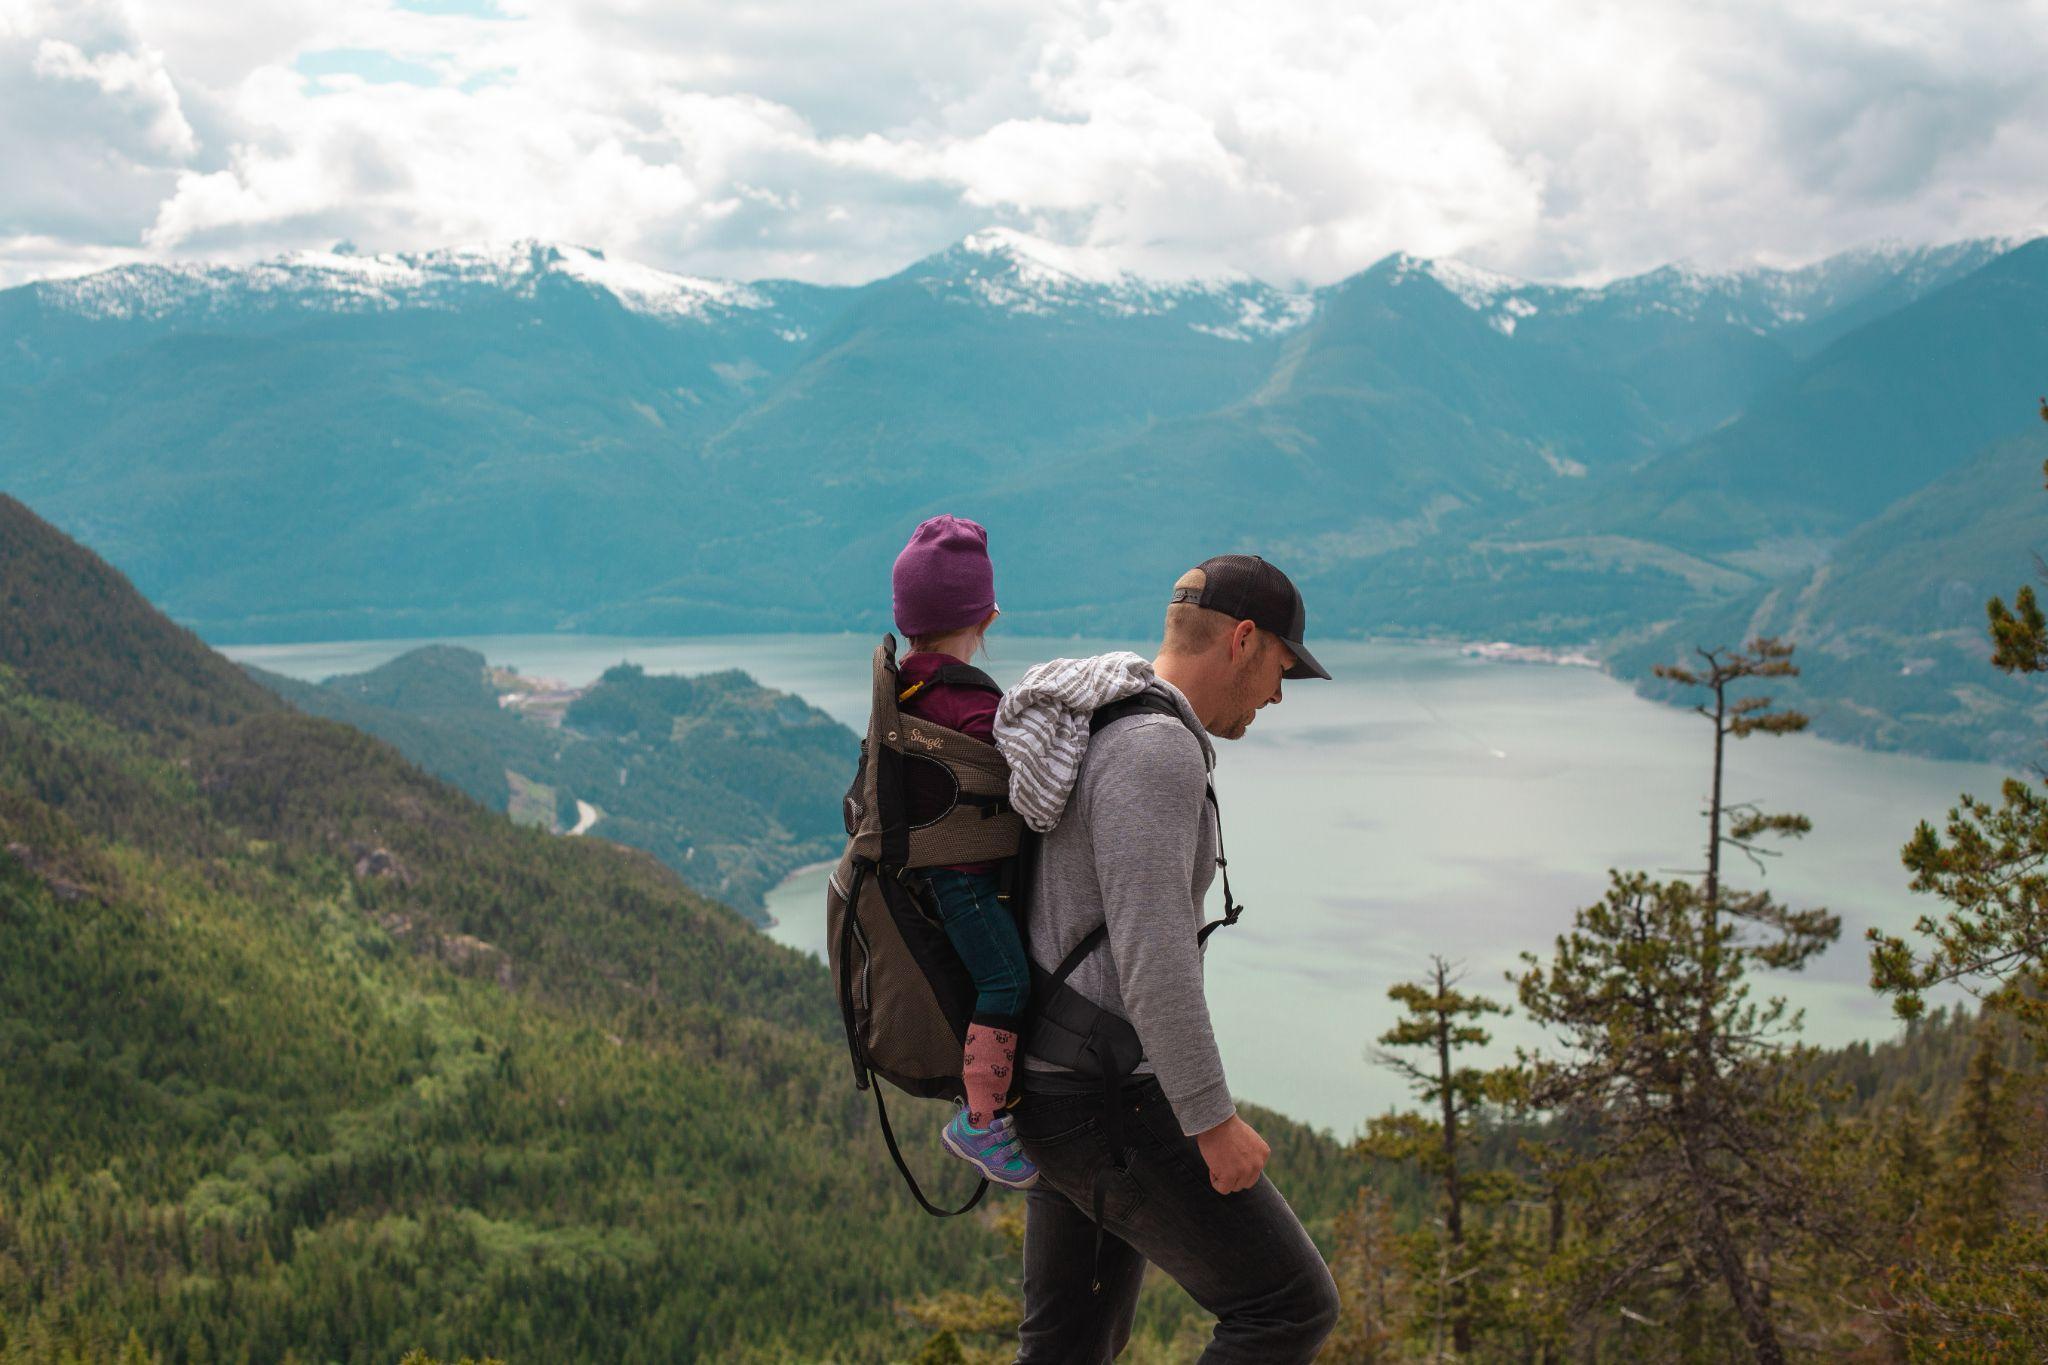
929,643
1191,629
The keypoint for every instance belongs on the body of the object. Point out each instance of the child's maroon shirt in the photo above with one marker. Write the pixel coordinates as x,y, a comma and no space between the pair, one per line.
969,710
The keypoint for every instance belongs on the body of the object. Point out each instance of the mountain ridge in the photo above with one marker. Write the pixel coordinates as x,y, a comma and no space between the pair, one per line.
1432,449
431,278
1764,295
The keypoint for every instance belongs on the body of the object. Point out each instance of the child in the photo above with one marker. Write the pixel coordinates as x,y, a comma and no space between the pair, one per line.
945,601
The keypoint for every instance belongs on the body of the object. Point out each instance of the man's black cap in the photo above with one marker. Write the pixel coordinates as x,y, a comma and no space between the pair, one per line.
1247,588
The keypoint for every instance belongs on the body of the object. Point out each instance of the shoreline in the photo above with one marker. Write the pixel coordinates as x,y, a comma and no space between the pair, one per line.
1836,1015
768,915
1507,652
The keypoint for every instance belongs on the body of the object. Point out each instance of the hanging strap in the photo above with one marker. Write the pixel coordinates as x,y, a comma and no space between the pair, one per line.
1231,909
1119,1158
896,1155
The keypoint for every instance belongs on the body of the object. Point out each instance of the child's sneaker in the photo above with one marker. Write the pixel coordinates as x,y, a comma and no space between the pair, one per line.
995,1151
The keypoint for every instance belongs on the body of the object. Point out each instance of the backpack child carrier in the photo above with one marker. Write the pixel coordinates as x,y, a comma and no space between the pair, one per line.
904,995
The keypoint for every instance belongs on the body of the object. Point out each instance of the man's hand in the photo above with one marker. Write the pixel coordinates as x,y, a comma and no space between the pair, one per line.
1235,1155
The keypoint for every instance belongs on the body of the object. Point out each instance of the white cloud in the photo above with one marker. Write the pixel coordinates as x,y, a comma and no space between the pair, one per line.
133,83
1298,140
92,130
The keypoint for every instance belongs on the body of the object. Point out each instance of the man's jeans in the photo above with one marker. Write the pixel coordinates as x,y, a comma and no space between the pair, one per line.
1243,1257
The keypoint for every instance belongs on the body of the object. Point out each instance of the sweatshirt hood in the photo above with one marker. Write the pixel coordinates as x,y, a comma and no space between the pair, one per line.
1041,725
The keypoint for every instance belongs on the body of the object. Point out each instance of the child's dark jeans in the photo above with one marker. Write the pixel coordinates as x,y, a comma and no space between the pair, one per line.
984,933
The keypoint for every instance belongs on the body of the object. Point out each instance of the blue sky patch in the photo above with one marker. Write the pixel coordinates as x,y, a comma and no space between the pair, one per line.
377,68
475,9
497,75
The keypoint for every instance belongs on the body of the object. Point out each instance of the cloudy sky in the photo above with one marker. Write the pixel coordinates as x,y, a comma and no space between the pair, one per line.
1296,140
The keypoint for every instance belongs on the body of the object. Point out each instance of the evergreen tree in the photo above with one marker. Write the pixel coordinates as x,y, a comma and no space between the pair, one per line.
1990,865
1979,1289
952,1315
1440,1022
1739,825
1909,1159
1372,1286
1698,1130
1981,1140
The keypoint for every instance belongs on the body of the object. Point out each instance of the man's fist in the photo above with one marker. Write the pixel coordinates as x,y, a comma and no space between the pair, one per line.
1235,1154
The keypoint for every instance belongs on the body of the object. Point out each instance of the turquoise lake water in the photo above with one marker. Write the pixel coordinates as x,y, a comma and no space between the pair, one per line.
1423,802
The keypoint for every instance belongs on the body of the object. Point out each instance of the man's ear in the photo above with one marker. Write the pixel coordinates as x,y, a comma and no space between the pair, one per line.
1243,639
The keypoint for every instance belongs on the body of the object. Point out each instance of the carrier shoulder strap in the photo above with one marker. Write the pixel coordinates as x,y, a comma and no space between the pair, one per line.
1148,700
967,675
953,675
1231,909
884,779
1073,958
1155,703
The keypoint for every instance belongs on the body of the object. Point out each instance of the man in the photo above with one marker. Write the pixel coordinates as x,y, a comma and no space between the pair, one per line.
1131,845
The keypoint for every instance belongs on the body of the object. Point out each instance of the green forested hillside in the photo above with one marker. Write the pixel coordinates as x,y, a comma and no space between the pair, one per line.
305,1050
1893,650
730,784
304,1055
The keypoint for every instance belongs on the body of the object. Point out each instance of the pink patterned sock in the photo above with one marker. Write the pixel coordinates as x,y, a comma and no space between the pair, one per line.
985,1067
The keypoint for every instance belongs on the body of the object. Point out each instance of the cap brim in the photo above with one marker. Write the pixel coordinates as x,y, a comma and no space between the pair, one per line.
1305,665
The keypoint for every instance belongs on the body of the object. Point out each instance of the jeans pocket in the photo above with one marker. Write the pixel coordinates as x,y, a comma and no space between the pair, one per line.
1123,1196
1054,1120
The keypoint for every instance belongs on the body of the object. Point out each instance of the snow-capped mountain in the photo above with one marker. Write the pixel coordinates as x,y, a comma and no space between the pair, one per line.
1767,300
1012,272
997,268
1502,299
740,333
1808,305
340,281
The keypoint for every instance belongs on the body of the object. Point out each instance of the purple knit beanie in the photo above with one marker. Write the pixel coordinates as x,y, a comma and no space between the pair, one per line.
943,580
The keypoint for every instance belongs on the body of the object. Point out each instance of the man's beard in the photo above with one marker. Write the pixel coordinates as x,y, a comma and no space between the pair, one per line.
1242,723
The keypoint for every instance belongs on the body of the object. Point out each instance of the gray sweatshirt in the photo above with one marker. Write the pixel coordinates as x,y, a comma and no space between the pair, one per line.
1136,849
